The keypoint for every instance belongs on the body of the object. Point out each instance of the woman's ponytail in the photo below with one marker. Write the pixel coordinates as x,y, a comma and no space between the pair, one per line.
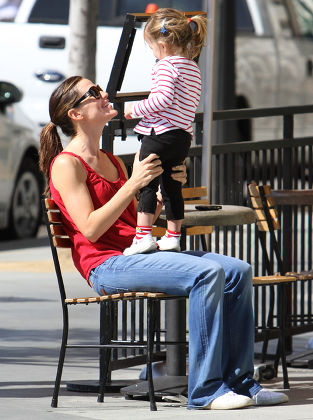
50,147
61,101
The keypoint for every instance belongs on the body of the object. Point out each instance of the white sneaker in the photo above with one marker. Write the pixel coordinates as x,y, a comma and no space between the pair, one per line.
267,397
230,401
169,244
140,246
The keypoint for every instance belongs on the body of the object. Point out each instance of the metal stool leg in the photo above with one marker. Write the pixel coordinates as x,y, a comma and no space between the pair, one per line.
150,342
282,291
105,338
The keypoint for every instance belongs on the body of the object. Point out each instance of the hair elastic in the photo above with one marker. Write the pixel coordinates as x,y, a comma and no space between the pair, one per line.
163,29
192,24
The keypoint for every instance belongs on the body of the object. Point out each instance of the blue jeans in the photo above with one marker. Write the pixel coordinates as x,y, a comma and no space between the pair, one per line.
221,326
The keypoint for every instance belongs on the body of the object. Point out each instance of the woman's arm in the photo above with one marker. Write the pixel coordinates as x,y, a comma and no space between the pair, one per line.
69,178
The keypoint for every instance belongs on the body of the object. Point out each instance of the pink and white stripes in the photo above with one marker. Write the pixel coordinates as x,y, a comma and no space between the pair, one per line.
174,97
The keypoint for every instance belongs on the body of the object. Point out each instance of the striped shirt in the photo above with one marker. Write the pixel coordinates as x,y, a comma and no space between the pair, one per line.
174,97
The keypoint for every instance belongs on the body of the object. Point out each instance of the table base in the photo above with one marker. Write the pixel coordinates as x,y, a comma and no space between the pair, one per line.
163,386
93,386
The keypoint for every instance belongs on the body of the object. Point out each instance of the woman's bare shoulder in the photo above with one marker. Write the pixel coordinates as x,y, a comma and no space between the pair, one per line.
66,167
66,160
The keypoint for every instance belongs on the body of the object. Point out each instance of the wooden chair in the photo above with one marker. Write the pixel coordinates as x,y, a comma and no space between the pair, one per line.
264,203
191,195
59,239
267,221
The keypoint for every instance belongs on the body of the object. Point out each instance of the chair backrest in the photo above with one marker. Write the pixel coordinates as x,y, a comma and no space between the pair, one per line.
264,207
57,238
55,226
267,221
195,195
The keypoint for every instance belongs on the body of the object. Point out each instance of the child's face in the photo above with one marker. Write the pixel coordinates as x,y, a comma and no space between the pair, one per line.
158,48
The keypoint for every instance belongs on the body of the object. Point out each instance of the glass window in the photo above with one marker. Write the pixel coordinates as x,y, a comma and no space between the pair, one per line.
243,19
8,10
139,6
45,11
110,12
303,13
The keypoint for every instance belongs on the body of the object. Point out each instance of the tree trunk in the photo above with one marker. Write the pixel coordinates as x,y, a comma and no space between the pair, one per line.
83,17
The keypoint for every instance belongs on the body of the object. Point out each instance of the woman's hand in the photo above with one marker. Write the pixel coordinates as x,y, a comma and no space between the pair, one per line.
146,170
180,173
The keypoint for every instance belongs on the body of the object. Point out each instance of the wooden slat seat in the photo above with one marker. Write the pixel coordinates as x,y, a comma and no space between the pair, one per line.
119,296
272,279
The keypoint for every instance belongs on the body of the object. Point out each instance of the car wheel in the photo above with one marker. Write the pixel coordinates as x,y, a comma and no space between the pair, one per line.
25,211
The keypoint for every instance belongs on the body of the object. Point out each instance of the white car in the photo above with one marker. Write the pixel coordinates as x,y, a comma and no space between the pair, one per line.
21,183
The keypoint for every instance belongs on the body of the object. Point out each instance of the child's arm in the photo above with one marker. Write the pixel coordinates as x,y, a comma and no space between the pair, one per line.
128,111
161,96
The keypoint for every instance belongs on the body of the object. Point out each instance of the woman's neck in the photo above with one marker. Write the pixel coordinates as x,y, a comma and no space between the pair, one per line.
84,145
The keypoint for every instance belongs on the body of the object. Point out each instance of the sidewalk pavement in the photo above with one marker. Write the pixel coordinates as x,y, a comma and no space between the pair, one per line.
31,325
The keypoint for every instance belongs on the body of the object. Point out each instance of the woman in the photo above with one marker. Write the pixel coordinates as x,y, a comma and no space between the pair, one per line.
96,199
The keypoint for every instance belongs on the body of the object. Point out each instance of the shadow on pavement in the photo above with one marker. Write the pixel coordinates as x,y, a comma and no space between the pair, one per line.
14,244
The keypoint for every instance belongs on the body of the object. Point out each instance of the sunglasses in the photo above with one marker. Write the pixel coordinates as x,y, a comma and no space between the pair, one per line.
94,91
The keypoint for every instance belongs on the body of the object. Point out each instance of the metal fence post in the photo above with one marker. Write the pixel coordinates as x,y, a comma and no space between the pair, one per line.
288,166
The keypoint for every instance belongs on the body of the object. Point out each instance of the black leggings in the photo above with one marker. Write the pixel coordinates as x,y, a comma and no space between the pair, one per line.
172,147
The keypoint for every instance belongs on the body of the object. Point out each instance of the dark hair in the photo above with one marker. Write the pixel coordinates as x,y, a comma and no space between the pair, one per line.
177,31
61,101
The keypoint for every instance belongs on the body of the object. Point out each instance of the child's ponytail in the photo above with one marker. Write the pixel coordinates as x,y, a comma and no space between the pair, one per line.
198,24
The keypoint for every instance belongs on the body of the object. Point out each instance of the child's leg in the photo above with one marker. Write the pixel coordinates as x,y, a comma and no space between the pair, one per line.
174,209
144,227
144,219
171,190
174,225
171,240
143,241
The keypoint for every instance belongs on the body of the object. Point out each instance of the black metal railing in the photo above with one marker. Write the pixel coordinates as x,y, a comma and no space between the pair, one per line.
283,163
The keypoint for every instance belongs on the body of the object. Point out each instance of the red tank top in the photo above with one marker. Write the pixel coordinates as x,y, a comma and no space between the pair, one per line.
88,255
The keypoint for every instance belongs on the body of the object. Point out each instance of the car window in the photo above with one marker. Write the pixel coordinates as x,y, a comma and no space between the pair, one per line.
303,14
243,18
139,6
8,10
110,12
46,11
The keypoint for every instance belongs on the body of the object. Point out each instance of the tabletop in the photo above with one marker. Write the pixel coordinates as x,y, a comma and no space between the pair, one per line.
228,215
293,197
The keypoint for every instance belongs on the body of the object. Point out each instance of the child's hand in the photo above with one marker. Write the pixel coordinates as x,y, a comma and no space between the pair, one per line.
128,111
